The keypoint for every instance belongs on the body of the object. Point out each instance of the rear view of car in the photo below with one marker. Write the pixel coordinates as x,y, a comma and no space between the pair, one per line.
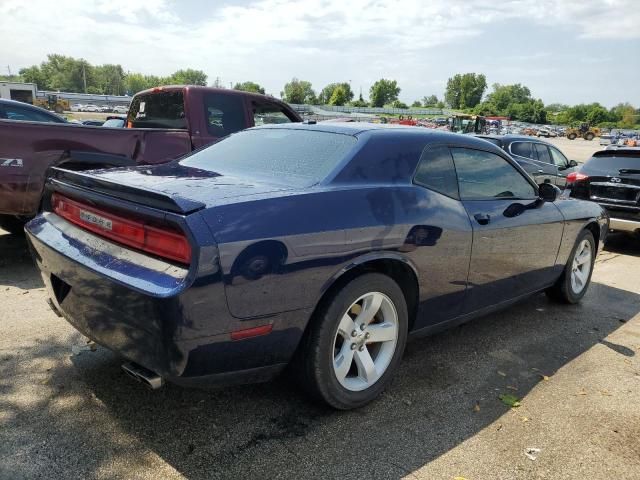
612,178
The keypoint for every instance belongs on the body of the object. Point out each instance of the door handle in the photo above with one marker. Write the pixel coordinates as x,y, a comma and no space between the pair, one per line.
482,218
540,171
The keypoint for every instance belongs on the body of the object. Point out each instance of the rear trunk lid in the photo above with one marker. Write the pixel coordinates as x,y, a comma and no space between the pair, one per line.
614,178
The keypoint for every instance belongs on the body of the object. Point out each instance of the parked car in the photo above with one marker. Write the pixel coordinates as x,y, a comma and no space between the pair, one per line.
611,177
14,110
76,107
106,108
320,246
92,122
543,161
122,109
91,108
113,121
165,123
545,132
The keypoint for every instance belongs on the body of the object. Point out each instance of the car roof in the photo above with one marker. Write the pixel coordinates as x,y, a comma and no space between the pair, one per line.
510,138
28,106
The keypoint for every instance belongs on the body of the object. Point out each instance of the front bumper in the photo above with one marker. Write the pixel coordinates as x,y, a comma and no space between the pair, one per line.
622,225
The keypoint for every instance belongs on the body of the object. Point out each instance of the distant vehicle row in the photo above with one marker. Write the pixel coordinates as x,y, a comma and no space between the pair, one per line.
79,107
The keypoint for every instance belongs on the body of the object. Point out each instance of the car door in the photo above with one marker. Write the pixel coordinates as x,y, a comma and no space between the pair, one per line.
526,155
439,243
516,235
546,163
564,166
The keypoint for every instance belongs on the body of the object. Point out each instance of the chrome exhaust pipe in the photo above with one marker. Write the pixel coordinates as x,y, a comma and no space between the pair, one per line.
143,375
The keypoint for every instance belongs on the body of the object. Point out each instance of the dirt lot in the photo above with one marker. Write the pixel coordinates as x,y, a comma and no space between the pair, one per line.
579,150
575,369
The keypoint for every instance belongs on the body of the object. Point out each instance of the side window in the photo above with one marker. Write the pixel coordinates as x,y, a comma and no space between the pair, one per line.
484,175
543,152
558,158
436,171
267,113
16,113
522,149
225,114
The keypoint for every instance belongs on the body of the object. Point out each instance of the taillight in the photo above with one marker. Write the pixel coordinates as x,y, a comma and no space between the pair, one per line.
162,242
574,177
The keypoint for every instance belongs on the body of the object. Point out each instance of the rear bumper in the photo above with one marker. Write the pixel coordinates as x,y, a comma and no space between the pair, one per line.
622,225
155,314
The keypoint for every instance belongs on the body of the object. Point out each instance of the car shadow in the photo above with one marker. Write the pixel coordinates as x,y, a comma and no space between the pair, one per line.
17,268
623,243
95,418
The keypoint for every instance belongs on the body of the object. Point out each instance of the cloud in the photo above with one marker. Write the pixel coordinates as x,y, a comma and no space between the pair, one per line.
272,40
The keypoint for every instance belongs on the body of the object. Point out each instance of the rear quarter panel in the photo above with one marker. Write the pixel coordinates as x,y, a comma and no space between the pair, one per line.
308,239
34,147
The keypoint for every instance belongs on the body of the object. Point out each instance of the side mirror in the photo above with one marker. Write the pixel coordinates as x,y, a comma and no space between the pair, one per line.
548,192
573,163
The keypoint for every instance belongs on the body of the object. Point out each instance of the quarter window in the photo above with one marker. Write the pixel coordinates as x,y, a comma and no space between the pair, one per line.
436,171
484,175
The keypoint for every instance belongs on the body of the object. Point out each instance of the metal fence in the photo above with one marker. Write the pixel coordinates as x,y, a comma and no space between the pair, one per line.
309,109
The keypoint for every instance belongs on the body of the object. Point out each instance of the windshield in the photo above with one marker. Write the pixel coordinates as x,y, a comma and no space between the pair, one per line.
292,156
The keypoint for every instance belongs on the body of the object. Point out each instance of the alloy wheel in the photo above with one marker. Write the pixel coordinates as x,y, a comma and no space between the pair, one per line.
581,267
365,341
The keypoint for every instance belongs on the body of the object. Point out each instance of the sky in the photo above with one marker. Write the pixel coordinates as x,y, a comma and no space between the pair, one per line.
566,51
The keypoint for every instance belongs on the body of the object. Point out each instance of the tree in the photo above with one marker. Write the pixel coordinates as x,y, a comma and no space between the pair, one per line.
298,91
383,91
505,95
249,87
108,79
339,96
416,104
136,82
360,102
327,92
188,77
399,104
465,90
430,101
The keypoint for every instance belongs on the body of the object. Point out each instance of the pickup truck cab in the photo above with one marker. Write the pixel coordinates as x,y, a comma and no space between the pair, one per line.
163,123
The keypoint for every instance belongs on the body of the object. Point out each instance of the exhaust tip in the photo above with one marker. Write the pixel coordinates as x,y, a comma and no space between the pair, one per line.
143,375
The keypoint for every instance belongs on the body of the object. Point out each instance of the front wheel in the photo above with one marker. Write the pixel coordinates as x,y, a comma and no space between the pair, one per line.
355,343
572,136
589,136
574,281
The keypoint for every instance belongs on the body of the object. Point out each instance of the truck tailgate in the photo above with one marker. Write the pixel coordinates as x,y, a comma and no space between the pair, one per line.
28,149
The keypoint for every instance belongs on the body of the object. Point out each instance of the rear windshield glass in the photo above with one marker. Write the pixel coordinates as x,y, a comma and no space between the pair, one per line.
298,157
158,110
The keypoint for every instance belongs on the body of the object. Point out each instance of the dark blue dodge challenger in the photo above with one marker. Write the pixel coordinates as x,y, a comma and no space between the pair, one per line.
322,247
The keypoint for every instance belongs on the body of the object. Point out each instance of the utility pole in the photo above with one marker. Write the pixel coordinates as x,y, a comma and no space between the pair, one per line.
84,78
9,70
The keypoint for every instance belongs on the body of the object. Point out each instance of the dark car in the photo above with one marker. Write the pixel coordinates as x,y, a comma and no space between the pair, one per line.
13,110
319,246
543,161
612,178
92,122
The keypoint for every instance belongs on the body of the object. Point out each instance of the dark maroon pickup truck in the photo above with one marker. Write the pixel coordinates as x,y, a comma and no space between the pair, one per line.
163,123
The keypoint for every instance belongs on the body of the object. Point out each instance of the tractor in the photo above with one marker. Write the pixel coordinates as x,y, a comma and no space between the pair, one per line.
53,103
463,123
585,131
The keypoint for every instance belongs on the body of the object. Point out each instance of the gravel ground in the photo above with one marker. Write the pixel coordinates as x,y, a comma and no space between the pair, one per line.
575,370
579,150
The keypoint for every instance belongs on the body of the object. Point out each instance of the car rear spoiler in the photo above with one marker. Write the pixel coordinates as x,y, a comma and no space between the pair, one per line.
61,179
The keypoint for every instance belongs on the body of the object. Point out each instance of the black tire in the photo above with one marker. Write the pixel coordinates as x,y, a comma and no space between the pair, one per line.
314,360
11,224
589,136
562,290
572,136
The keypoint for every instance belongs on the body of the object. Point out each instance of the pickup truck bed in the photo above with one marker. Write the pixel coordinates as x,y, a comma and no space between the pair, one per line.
164,123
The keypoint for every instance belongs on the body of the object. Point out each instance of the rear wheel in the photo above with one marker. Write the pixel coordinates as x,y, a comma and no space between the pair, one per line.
589,136
574,281
572,136
355,343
